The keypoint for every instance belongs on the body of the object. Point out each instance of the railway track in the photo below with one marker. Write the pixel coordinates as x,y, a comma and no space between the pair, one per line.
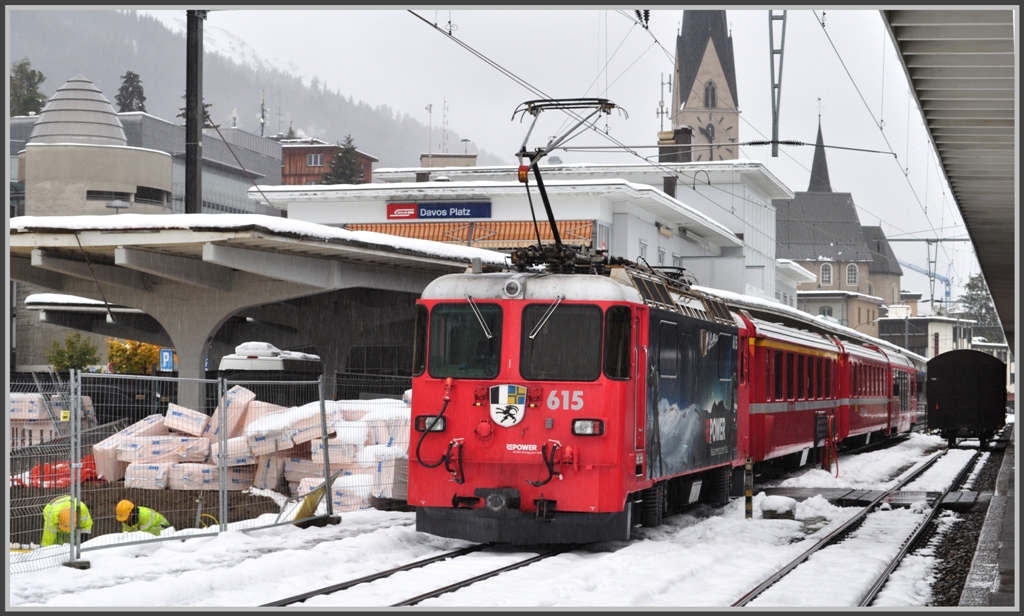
327,590
843,531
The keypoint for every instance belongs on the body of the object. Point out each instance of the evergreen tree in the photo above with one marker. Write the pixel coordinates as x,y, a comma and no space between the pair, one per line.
25,95
131,97
74,354
291,132
207,120
976,304
346,168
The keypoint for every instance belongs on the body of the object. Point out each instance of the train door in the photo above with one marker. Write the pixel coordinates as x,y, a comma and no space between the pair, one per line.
638,387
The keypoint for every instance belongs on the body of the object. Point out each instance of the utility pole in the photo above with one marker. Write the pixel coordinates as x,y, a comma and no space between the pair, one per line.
932,259
263,112
194,112
776,79
662,112
430,132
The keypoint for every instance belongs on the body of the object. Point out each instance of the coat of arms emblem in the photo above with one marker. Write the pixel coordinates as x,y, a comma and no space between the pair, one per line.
508,404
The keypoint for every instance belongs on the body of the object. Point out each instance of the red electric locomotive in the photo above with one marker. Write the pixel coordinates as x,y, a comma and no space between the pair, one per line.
579,395
561,408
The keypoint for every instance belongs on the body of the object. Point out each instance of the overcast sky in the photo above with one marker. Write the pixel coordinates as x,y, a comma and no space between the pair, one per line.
389,57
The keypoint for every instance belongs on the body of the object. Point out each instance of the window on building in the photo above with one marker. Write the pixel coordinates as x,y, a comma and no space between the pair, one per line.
643,249
871,289
859,319
314,160
825,311
661,257
826,274
710,95
677,261
895,294
851,275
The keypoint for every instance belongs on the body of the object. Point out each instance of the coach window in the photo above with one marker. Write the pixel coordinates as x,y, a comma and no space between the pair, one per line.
419,342
801,384
767,374
810,377
819,376
465,340
790,376
560,343
617,342
778,375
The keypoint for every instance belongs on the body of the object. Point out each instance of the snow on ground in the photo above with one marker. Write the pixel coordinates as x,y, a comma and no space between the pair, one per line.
706,557
871,471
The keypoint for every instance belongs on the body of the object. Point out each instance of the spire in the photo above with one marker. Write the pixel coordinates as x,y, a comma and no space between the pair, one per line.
819,168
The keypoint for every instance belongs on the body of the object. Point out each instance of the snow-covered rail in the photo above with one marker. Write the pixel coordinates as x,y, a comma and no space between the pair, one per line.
838,533
872,592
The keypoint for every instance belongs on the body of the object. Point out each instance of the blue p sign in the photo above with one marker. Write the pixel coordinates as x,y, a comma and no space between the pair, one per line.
167,360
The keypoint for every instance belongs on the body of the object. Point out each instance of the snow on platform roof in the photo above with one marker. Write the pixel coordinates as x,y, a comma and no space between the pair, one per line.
249,222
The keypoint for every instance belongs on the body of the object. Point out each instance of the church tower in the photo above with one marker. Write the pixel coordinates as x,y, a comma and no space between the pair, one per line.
704,97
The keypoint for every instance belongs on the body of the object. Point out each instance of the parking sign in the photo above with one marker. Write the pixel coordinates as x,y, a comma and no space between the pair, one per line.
167,360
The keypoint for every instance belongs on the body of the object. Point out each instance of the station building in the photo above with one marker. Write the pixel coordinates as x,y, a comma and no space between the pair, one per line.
720,227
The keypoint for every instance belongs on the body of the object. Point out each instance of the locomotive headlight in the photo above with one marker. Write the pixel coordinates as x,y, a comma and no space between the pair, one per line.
587,427
434,422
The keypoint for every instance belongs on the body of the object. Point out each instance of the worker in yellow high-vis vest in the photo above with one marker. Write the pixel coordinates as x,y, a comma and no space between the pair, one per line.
143,519
57,521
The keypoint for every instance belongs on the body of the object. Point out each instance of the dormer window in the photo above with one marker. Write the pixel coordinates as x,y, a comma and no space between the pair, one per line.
710,97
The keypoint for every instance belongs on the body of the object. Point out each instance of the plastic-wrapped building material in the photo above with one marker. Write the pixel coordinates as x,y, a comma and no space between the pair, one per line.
263,444
241,477
236,452
338,452
108,467
234,405
181,419
353,433
389,469
189,476
27,406
351,492
169,448
269,469
259,408
390,425
146,476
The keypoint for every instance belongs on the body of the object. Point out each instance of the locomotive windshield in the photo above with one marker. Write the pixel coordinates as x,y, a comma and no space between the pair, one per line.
566,348
459,344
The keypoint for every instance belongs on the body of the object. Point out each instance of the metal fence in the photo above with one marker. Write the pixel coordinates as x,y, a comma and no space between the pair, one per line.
207,455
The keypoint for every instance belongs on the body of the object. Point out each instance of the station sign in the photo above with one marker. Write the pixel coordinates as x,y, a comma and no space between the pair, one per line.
439,210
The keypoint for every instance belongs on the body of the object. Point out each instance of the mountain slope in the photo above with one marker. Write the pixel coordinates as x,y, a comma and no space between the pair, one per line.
103,45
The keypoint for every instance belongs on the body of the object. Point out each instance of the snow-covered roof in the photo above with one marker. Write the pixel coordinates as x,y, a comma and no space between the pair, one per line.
851,294
794,270
251,222
717,172
646,196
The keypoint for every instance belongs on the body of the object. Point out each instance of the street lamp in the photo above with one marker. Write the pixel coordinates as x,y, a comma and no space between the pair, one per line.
466,144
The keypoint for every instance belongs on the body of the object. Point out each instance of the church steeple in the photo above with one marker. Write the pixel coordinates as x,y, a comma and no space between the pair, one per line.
819,168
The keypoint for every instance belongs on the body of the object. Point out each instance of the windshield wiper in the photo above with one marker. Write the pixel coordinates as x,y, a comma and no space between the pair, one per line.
479,317
547,315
